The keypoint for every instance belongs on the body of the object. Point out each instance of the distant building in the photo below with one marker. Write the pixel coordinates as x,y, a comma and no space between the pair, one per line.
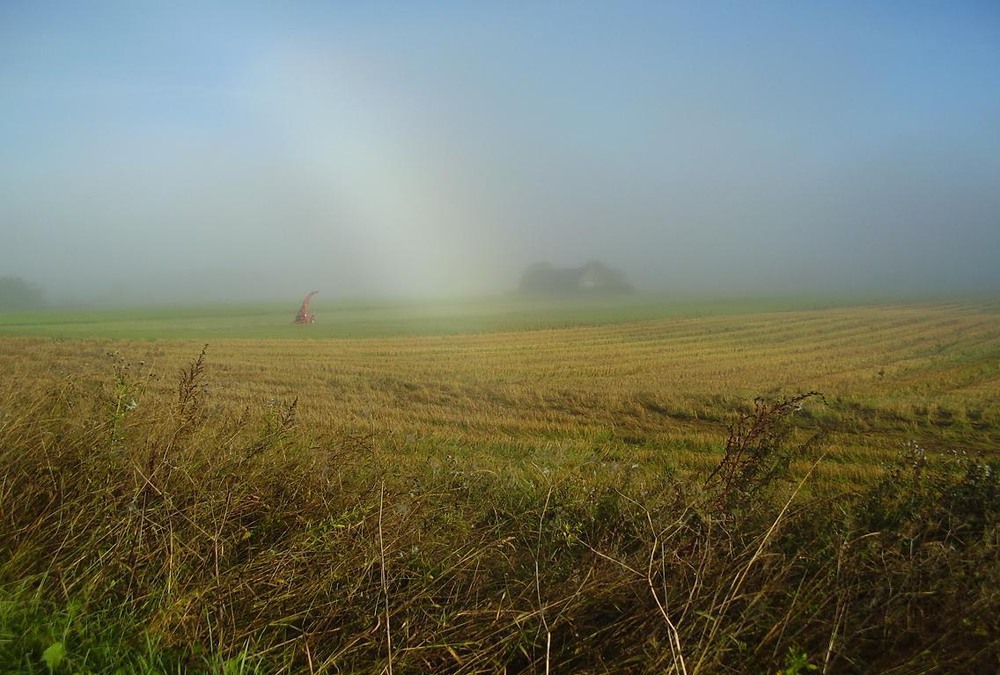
594,277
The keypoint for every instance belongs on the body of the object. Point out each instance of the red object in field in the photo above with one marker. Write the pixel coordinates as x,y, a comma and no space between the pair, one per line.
305,315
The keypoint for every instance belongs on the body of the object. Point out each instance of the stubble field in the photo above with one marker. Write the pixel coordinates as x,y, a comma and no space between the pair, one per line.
472,422
661,389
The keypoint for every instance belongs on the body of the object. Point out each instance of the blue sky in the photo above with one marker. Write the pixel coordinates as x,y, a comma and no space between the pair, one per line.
156,151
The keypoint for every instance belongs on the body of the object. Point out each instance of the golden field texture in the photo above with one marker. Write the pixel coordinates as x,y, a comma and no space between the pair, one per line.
592,499
662,390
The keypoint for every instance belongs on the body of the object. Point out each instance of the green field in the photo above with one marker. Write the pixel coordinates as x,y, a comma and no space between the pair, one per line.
378,318
579,485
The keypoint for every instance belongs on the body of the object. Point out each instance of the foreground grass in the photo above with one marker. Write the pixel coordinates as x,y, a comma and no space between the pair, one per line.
170,538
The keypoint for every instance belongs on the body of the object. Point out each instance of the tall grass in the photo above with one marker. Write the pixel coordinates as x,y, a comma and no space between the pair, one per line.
155,533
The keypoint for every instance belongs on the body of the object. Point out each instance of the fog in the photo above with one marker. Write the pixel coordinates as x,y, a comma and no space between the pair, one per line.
187,152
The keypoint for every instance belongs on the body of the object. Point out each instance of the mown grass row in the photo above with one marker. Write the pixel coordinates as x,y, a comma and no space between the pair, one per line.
658,390
145,528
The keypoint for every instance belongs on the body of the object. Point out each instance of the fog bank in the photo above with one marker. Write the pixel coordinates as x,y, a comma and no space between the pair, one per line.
243,151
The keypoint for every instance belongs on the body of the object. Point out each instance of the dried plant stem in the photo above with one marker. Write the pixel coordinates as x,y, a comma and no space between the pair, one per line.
385,585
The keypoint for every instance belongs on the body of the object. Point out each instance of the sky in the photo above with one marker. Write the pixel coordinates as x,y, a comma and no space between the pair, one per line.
179,151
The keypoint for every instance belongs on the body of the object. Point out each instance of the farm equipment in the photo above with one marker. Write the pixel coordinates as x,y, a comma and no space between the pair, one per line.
306,315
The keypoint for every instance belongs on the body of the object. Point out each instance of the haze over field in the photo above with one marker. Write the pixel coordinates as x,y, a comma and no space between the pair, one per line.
242,150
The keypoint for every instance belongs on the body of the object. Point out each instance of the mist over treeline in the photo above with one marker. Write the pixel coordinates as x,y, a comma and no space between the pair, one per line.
226,152
16,293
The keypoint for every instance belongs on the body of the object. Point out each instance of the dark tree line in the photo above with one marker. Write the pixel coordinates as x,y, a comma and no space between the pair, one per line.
16,293
593,277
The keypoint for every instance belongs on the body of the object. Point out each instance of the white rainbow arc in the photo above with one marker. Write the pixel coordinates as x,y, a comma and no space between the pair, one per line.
382,179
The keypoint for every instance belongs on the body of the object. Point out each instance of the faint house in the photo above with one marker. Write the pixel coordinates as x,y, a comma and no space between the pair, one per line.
594,277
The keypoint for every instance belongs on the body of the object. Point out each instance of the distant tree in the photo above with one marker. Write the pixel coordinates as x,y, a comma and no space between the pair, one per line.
16,293
592,278
598,277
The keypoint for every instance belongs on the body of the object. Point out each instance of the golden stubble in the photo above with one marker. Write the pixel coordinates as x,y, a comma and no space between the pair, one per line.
662,389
